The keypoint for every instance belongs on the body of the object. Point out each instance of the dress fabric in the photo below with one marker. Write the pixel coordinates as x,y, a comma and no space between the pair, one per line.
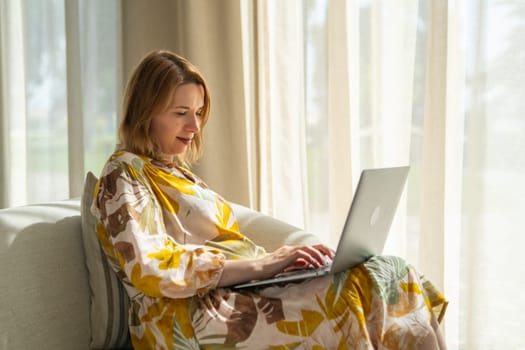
167,236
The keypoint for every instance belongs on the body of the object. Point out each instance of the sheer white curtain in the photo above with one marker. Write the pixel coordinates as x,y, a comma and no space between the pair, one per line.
493,194
60,83
434,84
341,75
281,109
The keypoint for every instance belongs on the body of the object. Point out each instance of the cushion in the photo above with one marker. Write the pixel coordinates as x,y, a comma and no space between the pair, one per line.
109,301
270,232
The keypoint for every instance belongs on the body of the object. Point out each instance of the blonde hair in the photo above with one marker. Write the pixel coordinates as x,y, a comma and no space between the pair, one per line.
148,92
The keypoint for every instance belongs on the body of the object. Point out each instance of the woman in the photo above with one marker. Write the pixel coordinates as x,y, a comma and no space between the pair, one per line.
176,246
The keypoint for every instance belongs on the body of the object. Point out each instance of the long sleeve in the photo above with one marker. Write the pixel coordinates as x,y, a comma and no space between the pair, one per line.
133,232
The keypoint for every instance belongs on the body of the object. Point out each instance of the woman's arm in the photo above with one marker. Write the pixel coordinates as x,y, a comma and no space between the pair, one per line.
285,258
133,234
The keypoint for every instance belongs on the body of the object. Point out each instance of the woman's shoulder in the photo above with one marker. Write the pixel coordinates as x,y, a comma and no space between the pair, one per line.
122,158
124,161
127,157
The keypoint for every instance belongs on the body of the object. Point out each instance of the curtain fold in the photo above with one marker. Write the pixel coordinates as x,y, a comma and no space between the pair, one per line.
60,82
75,93
13,87
343,112
213,36
281,110
442,158
387,43
434,136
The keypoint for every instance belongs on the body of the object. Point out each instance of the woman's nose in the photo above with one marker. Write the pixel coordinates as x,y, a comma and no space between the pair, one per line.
194,123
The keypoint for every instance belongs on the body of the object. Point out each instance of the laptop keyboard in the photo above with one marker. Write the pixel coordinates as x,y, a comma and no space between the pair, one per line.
298,272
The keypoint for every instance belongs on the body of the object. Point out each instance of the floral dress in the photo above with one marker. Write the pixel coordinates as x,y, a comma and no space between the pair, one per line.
167,237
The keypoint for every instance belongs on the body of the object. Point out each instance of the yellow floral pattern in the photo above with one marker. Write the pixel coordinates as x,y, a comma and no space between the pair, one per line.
167,236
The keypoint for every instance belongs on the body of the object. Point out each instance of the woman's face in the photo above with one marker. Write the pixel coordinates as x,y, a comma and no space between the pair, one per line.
174,128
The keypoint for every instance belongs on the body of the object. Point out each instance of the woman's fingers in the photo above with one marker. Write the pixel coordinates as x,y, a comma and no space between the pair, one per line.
310,255
299,264
301,257
325,250
327,253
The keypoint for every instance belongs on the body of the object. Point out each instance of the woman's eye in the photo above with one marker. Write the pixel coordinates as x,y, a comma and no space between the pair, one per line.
180,114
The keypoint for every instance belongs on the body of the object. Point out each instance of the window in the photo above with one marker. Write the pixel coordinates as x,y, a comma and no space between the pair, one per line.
62,65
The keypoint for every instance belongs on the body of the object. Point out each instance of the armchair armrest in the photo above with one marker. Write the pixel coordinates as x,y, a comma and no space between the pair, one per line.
269,232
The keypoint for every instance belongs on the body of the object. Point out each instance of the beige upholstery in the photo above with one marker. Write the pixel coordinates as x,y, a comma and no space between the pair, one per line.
44,292
44,288
269,232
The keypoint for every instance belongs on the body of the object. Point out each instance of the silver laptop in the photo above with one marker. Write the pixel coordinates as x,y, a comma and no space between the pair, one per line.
366,226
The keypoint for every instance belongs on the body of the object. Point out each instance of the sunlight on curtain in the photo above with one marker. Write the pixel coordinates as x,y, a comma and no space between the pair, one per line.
281,110
48,57
440,86
46,99
387,50
13,87
101,79
316,109
360,54
491,298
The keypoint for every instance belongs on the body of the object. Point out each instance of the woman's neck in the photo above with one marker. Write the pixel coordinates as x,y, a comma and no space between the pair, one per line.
167,159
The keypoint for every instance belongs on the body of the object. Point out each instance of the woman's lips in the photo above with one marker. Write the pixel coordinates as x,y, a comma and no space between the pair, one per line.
184,140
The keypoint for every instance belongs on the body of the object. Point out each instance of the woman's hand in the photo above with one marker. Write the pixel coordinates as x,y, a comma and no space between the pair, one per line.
286,258
301,264
302,257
